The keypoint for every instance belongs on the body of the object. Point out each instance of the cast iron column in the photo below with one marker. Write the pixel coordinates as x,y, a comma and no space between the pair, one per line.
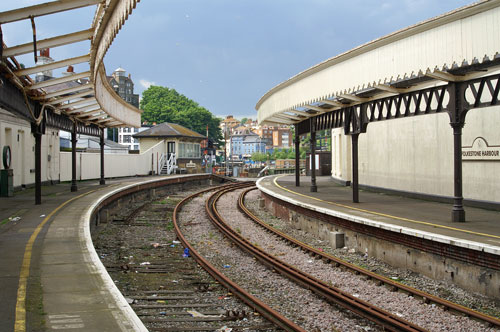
457,110
297,156
355,189
73,159
458,212
38,166
314,188
102,157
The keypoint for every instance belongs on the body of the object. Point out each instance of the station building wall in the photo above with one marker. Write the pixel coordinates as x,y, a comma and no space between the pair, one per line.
16,133
415,154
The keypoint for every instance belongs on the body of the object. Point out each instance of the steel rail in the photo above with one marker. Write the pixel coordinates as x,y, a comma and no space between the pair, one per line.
262,308
364,309
426,297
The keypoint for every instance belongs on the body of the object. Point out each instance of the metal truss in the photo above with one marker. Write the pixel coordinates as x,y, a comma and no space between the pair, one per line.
476,93
63,122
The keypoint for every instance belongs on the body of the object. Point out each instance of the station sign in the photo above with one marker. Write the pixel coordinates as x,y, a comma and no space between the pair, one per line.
481,150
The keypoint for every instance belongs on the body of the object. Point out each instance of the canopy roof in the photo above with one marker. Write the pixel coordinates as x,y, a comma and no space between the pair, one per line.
457,46
85,97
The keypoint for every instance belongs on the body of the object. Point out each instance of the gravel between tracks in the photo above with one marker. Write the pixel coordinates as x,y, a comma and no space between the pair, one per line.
297,303
428,316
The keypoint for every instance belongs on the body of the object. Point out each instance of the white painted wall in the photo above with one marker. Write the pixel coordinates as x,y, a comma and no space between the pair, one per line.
416,154
16,133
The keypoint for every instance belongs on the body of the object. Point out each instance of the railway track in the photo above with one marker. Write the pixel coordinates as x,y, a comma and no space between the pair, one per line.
362,308
178,293
169,292
380,280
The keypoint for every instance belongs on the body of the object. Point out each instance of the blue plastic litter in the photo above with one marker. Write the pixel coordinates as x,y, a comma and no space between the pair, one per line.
186,252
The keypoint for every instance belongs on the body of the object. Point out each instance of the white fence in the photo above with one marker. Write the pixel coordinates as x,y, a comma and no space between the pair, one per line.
88,165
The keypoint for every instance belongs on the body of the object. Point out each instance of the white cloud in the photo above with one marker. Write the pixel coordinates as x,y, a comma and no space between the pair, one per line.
146,84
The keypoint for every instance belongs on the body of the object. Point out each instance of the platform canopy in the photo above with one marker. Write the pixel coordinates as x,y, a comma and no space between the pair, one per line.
85,97
461,45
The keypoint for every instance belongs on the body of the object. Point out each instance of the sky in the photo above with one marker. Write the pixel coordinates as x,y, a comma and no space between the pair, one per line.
226,54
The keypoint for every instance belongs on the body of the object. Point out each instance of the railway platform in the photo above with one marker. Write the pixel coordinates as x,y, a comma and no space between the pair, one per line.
50,277
397,213
404,232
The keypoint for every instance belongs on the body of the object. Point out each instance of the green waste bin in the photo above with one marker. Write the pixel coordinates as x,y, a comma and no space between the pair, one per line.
7,182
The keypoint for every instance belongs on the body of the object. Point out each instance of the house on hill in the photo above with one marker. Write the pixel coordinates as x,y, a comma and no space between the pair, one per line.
182,146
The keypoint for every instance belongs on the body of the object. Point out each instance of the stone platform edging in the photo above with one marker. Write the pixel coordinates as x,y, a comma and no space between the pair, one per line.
473,245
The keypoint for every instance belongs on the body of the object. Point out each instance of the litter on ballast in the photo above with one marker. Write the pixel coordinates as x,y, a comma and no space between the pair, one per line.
145,263
186,253
224,329
197,314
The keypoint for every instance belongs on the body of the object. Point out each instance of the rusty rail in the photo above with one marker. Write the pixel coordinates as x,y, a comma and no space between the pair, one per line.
362,308
426,297
263,309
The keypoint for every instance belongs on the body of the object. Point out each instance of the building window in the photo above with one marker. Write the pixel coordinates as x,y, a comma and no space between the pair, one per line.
189,150
126,138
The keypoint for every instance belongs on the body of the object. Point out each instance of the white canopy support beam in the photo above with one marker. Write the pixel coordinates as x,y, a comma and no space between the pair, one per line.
442,76
49,43
352,97
316,108
278,119
291,116
60,80
114,124
108,119
53,65
299,112
71,97
83,109
101,116
390,89
333,103
447,77
84,102
64,92
44,9
86,114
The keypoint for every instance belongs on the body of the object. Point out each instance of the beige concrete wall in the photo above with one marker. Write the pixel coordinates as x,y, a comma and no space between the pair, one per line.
416,154
16,133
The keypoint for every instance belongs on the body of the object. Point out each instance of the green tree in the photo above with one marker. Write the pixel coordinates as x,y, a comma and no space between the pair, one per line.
162,104
259,156
243,121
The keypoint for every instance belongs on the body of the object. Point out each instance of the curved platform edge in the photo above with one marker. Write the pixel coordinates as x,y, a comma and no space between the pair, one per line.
78,292
454,241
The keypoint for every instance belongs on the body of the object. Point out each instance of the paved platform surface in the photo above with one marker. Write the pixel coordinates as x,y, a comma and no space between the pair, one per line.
481,231
60,272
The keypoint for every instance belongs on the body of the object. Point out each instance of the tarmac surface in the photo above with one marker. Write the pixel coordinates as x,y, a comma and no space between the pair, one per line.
62,293
482,227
